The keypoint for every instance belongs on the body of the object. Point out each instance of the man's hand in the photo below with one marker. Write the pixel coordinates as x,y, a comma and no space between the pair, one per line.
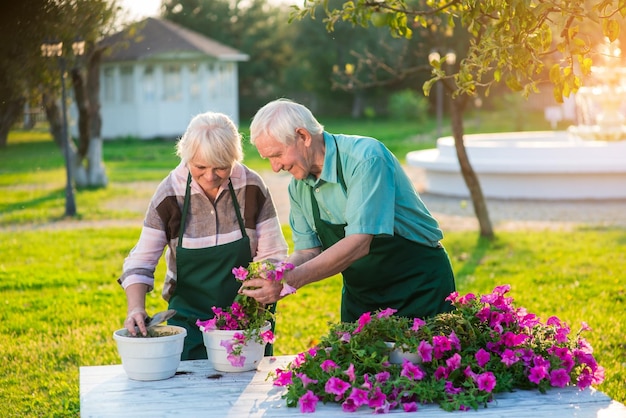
263,291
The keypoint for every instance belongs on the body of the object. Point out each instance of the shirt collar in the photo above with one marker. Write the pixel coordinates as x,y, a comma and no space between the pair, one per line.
329,169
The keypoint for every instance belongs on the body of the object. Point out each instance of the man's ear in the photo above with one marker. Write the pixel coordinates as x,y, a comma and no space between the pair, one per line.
304,135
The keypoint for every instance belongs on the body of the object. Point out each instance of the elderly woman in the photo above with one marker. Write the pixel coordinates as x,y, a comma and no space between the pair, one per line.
211,213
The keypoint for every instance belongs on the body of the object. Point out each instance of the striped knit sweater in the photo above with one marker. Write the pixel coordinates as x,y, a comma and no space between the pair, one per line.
208,224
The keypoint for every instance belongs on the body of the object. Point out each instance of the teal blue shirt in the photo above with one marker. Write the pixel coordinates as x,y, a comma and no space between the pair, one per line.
379,199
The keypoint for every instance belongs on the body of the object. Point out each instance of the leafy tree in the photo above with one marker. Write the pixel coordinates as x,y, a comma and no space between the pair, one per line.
89,21
22,28
510,41
25,74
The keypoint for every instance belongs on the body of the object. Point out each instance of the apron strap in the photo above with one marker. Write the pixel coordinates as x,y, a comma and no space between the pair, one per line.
242,226
342,182
185,209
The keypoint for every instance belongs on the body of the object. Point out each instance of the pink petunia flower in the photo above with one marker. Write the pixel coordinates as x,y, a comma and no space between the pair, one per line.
268,336
236,361
482,357
350,372
358,397
308,402
336,386
385,313
409,407
412,371
509,357
328,365
441,344
441,373
377,399
349,405
451,389
417,323
283,377
425,351
486,381
559,378
454,362
306,380
537,374
453,297
364,319
382,377
382,409
240,273
454,341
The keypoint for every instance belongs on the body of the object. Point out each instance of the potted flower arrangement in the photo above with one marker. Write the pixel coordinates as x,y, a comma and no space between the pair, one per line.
463,358
235,337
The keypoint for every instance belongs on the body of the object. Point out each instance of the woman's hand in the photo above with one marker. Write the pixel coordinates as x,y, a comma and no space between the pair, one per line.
136,319
264,291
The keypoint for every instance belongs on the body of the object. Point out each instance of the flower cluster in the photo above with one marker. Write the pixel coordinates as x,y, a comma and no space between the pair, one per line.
460,359
268,271
245,314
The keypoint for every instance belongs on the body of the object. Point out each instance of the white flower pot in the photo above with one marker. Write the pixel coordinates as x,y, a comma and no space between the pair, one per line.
397,355
218,357
151,358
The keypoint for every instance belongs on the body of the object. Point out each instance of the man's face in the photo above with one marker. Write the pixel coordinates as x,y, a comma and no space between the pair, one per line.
291,158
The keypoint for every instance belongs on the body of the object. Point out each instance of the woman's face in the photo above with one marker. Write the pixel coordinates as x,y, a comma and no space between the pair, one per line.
209,178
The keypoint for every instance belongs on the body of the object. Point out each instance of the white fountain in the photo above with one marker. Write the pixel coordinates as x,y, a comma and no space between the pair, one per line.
588,161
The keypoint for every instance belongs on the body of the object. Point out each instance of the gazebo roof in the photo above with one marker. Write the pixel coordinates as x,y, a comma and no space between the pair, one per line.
152,37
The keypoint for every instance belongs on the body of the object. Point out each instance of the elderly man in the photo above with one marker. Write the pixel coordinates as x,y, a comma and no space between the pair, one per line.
355,211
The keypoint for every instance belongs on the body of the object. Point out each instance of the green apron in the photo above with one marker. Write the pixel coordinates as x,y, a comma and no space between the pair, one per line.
205,279
397,273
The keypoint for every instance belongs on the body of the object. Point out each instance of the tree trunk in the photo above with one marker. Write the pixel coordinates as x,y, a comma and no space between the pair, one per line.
96,172
468,173
81,178
90,170
10,111
54,115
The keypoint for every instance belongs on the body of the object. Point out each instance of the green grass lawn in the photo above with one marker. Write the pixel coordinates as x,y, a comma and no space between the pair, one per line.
61,302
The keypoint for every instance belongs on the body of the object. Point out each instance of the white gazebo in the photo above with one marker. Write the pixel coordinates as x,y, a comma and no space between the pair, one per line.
157,75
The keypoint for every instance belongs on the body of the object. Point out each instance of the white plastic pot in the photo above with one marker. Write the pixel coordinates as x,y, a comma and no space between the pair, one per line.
151,358
218,357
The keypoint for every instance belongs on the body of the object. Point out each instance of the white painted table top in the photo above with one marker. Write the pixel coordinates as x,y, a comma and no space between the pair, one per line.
199,391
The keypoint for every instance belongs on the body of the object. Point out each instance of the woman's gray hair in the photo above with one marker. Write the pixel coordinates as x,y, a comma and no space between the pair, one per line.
280,118
214,138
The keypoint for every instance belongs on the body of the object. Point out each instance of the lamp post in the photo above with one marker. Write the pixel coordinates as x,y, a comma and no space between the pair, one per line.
450,60
55,49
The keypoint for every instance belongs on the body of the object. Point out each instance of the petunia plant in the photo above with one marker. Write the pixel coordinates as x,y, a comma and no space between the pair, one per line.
462,359
245,314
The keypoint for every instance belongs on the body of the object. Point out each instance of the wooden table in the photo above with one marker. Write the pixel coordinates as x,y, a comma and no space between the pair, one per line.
199,391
